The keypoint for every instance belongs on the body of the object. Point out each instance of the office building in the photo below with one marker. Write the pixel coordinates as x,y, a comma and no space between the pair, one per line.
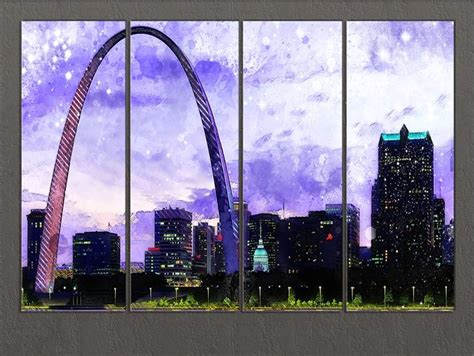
96,253
353,230
203,239
402,201
173,237
152,263
35,221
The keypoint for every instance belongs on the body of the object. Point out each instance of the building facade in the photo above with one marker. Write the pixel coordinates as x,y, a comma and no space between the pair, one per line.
152,263
96,253
402,201
438,231
35,221
173,237
203,238
219,252
448,244
315,241
353,230
245,232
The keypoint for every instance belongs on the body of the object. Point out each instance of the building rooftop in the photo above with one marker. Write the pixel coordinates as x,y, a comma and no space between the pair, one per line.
404,131
173,213
89,234
38,211
411,136
337,208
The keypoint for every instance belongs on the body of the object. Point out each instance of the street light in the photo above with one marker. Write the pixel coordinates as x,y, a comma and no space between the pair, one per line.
352,294
384,296
260,296
115,296
22,293
445,296
207,296
151,291
176,294
74,295
289,293
320,296
49,294
413,294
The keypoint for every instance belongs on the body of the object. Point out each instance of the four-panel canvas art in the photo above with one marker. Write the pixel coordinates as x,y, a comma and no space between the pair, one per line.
194,242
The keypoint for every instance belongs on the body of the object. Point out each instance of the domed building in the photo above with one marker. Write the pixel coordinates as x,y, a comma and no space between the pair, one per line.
260,258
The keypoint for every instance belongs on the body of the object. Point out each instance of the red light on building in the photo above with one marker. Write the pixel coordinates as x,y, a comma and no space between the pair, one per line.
219,237
153,249
329,237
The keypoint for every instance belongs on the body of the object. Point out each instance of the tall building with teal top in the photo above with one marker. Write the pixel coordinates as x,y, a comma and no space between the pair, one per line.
403,202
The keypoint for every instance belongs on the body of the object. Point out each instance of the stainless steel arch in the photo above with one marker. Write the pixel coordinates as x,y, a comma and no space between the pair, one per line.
54,209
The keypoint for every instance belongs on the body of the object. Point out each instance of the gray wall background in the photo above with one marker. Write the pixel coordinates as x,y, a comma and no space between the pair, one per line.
233,333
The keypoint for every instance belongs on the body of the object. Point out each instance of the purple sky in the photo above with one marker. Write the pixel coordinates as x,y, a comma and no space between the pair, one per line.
398,73
292,116
170,163
54,57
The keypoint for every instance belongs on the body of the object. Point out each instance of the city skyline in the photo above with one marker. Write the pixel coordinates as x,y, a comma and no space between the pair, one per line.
292,164
214,222
394,37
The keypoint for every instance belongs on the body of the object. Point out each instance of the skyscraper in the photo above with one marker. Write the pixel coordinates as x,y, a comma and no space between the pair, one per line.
35,221
315,241
203,237
219,252
448,244
365,256
245,232
173,228
438,231
260,258
264,227
96,253
152,263
376,259
353,230
402,204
